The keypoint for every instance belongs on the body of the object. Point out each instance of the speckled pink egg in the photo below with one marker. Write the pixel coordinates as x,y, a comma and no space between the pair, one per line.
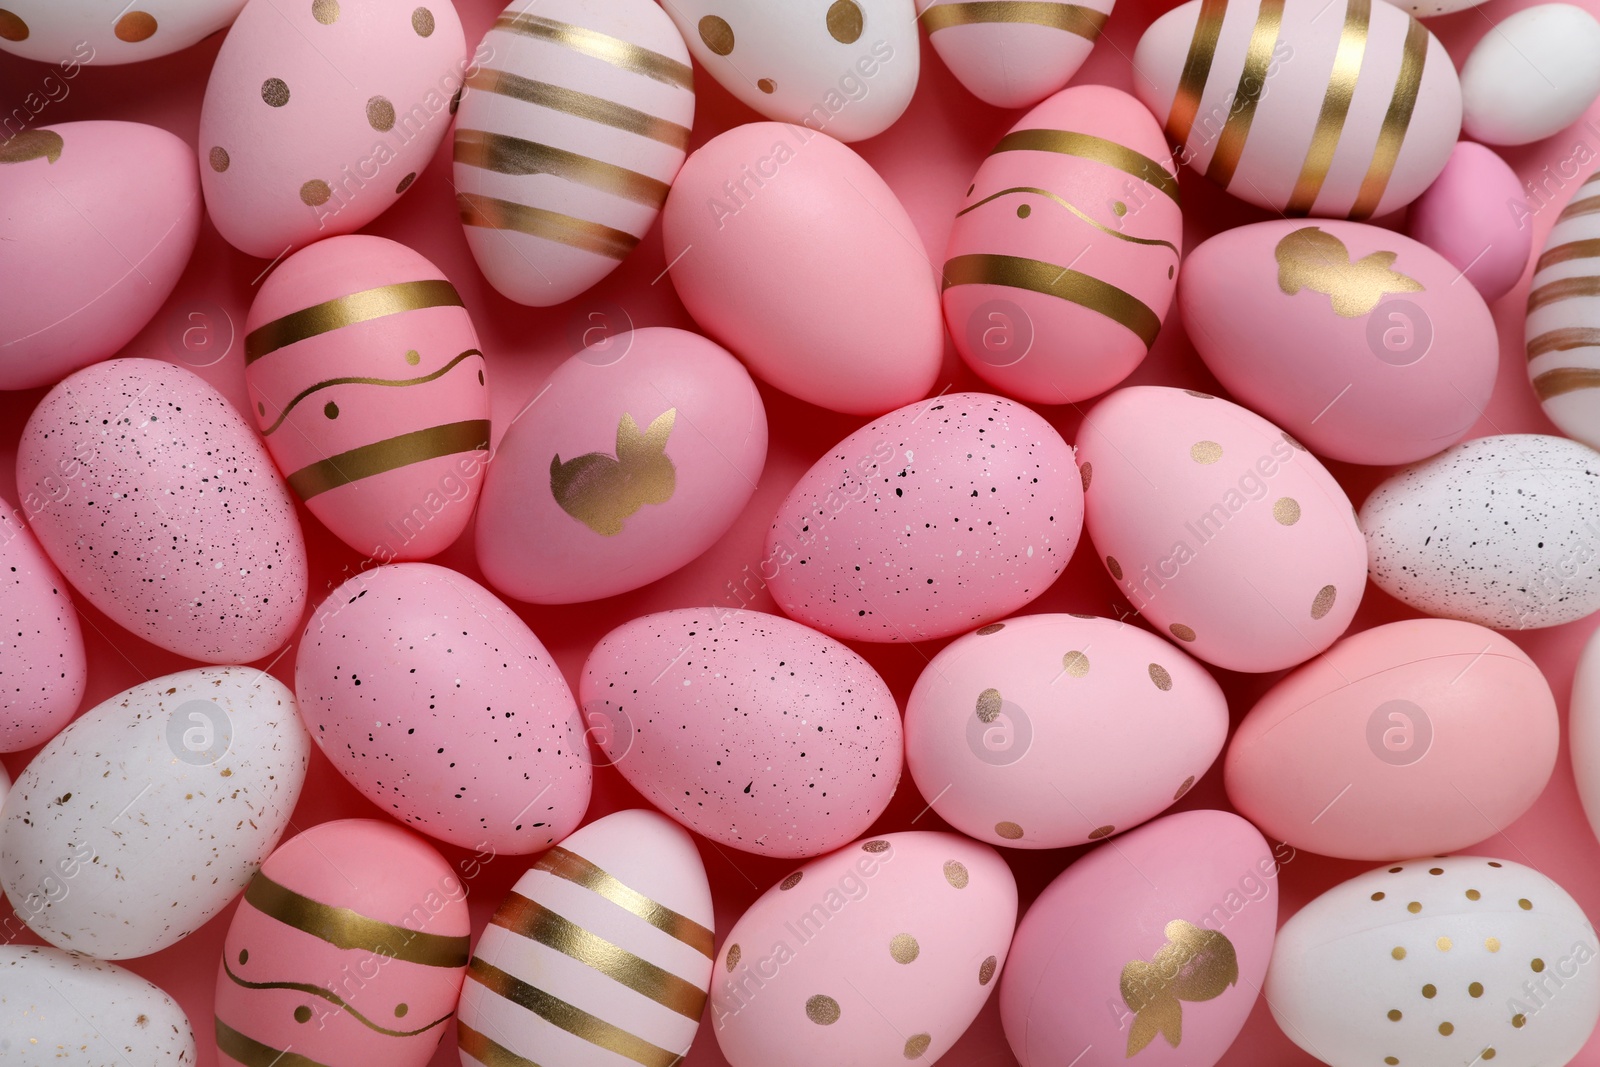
80,203
631,460
880,953
165,511
1149,950
1359,341
1014,55
42,665
747,728
319,115
1224,532
348,949
439,704
766,224
1062,259
366,381
935,518
1475,215
1046,731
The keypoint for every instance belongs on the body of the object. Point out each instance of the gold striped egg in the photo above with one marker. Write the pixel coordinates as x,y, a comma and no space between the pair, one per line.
1564,318
1014,53
1341,110
568,137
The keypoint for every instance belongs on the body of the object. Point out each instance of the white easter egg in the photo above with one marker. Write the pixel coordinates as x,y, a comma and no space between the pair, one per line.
59,1008
1563,326
1014,55
74,33
1532,75
1584,723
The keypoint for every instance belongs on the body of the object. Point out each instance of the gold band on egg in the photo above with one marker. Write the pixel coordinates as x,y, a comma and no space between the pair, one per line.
1585,249
1551,292
1098,149
1083,21
504,154
580,105
252,1053
1587,206
344,311
486,1050
1247,94
619,53
1196,69
1061,282
343,928
1335,107
1413,57
593,237
344,1006
572,867
1563,340
400,383
1118,234
387,455
574,1020
1565,380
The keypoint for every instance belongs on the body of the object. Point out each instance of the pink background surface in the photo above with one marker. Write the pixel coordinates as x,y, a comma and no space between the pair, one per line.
928,158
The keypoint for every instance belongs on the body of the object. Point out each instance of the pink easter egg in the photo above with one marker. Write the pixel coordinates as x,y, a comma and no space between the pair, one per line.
81,204
634,458
366,381
1470,216
1014,55
75,34
165,512
1357,340
1085,178
42,665
767,225
319,115
348,949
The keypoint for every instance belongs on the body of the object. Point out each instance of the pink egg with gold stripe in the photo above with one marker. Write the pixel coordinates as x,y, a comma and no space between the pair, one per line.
1014,53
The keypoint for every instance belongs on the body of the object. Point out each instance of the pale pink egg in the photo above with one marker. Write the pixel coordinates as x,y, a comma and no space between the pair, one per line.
1475,215
1014,55
366,381
74,34
769,224
348,948
1363,343
42,665
100,219
1148,950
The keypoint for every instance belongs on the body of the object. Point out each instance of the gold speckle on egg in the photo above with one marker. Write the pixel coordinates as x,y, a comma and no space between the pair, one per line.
244,956
1398,952
1396,870
325,11
1446,1029
904,948
875,846
380,114
1188,783
717,34
1525,904
1286,510
1378,896
1086,472
1114,567
956,873
989,705
1414,907
1436,871
1101,832
767,86
1537,965
1182,632
1519,1021
1473,894
1394,1015
12,28
992,628
916,1044
1475,990
1163,680
135,26
1391,1060
1492,944
822,1010
413,357
1323,602
1443,944
1206,452
1171,271
261,408
791,881
1008,830
1023,211
845,23
1075,663
1492,863
331,410
734,952
1429,991
405,183
275,91
219,159
1118,208
315,192
422,22
986,970
1487,1054
302,1014
400,1010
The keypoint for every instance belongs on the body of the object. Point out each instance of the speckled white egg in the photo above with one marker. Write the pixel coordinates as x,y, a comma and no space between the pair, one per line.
1533,74
1563,327
1459,959
1501,531
58,1008
143,818
74,32
42,665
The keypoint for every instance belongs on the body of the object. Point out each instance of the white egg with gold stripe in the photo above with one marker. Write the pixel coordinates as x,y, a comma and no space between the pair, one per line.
1564,318
600,956
1013,53
1334,108
569,134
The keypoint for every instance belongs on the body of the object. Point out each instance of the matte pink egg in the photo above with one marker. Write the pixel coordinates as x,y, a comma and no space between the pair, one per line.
791,251
1061,262
1148,950
348,949
1475,215
634,458
100,219
1014,55
42,665
366,382
1359,341
1415,738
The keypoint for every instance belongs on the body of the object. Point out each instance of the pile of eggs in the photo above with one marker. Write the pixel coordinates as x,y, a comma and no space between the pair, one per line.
439,750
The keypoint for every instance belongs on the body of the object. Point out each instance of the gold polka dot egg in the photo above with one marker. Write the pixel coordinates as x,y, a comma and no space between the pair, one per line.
1463,959
320,113
878,954
72,32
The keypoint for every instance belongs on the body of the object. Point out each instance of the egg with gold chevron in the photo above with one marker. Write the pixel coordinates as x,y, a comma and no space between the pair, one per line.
347,950
1014,53
1564,318
366,380
1063,258
599,956
1342,111
568,136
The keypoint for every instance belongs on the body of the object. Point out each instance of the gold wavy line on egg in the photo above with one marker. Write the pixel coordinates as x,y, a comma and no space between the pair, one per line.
574,1020
574,868
1061,282
534,921
1118,234
486,1050
348,310
1565,380
253,1053
504,154
1098,149
390,454
1549,293
335,999
1587,206
1414,56
1196,69
619,53
1242,113
497,214
580,105
1564,253
398,383
1563,340
1335,107
1074,18
344,928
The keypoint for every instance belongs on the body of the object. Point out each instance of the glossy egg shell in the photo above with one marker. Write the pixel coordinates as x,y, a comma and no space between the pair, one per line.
1014,55
42,666
1563,325
1470,215
1584,723
73,33
1509,98
116,1015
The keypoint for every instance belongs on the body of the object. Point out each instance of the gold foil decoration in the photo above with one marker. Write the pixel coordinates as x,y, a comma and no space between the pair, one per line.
32,144
992,628
315,192
471,435
1564,289
348,310
1086,472
1205,452
580,105
615,51
504,154
1024,211
398,383
422,22
875,847
574,868
12,28
1114,567
1159,675
735,953
1196,69
564,1016
1086,22
986,969
405,183
601,491
1563,340
1098,149
1588,248
219,159
1310,258
275,92
902,947
1194,965
344,928
822,1009
1075,663
1335,107
486,1050
956,874
1587,206
717,34
1100,833
380,114
325,11
135,26
1323,602
1188,784
1286,510
916,1045
1008,830
1064,283
496,214
791,881
844,21
1396,120
1182,632
1252,83
333,998
989,704
253,1053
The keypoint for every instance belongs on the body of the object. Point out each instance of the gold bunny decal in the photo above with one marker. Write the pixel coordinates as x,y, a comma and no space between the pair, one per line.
1311,259
1194,964
32,144
600,491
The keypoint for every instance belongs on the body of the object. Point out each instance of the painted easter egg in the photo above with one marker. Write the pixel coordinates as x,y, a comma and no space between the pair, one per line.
142,819
1499,531
1046,731
166,513
1475,216
79,203
319,115
747,728
567,141
1563,327
1532,75
1348,112
1014,54
613,928
1584,723
1445,721
42,666
348,948
439,704
366,381
880,953
1220,528
846,67
934,519
113,1016
1086,178
74,32
769,252
1148,949
1456,958
628,467
1358,340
